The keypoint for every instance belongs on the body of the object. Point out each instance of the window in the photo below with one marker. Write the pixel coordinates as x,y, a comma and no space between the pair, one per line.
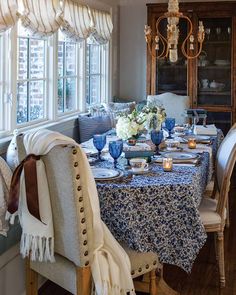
96,70
67,74
31,78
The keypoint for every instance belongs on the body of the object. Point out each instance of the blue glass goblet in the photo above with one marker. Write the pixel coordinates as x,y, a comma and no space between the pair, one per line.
156,137
170,124
115,150
99,141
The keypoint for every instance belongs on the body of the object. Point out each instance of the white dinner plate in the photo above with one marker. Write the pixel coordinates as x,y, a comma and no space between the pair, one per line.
105,173
180,155
200,138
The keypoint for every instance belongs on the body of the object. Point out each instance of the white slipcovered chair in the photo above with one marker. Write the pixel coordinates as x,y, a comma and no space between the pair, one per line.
175,105
72,221
213,211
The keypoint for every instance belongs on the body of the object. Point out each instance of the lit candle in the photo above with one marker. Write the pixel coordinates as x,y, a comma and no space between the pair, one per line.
167,164
191,143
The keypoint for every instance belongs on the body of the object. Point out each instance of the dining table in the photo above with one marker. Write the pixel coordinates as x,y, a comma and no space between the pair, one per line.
156,210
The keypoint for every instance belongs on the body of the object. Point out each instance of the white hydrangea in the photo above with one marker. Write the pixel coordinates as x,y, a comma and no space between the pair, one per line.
126,128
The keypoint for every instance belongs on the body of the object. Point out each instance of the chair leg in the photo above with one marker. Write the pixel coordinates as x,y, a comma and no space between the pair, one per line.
216,246
220,247
227,214
153,282
83,280
31,280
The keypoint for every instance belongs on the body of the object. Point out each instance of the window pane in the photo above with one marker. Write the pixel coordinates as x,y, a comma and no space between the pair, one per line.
60,58
37,62
94,90
22,111
36,100
70,93
60,91
94,59
70,59
22,58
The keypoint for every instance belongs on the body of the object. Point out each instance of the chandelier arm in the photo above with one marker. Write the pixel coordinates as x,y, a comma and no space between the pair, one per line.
164,41
186,39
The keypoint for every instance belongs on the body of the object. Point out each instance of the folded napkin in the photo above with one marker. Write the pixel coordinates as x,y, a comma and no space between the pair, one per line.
177,161
205,130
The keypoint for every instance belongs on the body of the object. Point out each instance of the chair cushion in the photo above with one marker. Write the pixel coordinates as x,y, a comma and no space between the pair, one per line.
208,213
141,263
88,126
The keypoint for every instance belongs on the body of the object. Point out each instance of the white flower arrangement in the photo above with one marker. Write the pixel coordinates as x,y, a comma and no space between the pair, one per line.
154,117
131,125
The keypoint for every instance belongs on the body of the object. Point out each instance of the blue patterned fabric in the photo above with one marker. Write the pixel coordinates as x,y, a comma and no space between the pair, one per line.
88,126
158,211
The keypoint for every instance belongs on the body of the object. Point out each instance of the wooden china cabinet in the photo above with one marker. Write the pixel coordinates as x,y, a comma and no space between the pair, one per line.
209,80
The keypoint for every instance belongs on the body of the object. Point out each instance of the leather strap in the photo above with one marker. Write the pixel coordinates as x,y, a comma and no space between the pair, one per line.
31,186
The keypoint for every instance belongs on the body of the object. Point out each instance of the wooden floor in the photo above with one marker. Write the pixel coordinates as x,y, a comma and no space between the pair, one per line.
204,278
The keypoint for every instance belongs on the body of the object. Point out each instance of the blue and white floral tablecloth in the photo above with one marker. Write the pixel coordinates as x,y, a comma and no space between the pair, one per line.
158,211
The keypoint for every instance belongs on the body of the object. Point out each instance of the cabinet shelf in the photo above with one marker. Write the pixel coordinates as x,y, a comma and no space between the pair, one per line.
214,92
214,67
177,91
172,67
216,42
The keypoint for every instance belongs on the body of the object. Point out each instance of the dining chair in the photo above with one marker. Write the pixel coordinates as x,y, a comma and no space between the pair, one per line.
175,105
72,219
213,211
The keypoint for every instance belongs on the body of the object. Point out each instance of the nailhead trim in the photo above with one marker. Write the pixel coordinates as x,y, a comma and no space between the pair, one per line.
155,262
81,209
79,188
77,176
86,263
84,232
83,220
74,152
85,243
86,253
81,199
147,266
132,272
76,164
140,269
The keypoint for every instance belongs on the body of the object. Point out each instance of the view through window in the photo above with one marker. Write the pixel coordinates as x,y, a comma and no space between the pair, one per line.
31,78
67,74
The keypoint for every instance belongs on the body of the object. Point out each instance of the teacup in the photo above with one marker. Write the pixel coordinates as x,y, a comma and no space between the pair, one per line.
138,164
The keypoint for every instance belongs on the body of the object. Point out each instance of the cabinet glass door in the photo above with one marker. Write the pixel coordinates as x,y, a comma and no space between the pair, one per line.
172,77
214,68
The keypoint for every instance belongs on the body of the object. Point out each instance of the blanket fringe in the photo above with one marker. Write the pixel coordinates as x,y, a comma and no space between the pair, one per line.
107,289
11,217
37,248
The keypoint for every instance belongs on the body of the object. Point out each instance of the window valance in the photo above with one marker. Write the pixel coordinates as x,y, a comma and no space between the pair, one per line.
44,17
102,26
76,21
41,17
8,14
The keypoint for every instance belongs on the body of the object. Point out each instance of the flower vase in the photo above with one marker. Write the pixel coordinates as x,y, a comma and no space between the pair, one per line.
132,141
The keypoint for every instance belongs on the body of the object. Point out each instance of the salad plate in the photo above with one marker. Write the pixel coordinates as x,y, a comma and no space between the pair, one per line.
180,155
105,173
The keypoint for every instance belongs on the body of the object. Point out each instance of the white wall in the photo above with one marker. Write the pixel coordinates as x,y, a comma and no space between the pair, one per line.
132,53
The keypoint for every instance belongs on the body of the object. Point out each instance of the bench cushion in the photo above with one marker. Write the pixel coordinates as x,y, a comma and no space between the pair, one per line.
88,126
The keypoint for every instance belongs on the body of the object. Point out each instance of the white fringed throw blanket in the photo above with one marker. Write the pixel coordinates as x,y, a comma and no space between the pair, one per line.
110,266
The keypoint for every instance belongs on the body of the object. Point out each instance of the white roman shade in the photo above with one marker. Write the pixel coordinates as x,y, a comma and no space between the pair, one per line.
76,21
8,17
41,17
102,26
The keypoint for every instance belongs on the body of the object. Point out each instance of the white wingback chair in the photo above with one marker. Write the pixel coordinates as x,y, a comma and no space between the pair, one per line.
175,105
72,219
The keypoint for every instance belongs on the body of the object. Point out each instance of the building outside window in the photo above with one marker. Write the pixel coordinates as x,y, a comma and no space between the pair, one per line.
96,73
67,74
31,78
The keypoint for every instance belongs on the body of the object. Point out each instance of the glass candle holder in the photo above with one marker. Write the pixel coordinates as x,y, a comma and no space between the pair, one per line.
192,143
167,164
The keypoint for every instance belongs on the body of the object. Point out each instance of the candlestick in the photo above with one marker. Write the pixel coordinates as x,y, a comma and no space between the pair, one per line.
191,143
167,164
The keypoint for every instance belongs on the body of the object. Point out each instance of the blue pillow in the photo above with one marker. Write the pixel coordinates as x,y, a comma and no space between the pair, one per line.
88,126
